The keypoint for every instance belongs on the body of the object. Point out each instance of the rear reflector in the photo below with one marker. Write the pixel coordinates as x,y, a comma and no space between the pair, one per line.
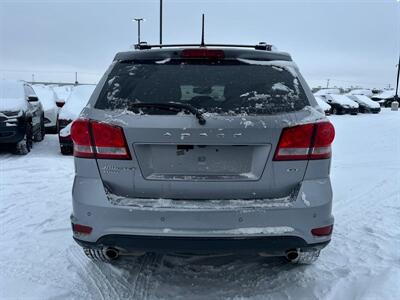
98,140
327,230
78,228
304,142
203,53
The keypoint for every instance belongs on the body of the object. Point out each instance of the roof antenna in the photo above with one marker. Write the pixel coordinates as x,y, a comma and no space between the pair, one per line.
202,32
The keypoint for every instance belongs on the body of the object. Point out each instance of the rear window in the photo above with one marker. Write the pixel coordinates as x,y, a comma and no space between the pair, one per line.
228,87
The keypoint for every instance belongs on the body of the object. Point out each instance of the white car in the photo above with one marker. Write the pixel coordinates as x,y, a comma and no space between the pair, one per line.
49,99
74,104
366,104
325,106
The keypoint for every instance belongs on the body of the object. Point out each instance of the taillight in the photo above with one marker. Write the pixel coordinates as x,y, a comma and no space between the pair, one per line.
203,53
109,141
98,140
81,137
321,231
304,142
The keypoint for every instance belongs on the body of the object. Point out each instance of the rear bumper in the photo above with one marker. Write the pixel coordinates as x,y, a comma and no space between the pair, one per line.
198,220
274,245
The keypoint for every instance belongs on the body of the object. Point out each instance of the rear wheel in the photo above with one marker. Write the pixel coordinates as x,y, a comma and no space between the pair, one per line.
25,145
66,150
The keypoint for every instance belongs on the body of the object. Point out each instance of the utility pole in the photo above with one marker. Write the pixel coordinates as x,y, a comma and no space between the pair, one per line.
327,83
138,35
76,78
33,78
161,4
396,96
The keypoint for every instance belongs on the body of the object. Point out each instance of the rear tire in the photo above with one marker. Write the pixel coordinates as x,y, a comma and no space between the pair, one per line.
66,150
24,146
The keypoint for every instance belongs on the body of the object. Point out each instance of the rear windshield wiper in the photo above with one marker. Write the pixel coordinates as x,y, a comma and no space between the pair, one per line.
172,106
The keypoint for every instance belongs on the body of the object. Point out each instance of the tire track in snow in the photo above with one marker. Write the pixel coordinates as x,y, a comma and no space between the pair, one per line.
149,265
93,275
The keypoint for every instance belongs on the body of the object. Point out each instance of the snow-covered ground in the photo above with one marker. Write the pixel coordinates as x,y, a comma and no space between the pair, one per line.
39,260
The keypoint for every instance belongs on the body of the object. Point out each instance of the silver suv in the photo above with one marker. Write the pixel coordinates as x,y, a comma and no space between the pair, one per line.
190,149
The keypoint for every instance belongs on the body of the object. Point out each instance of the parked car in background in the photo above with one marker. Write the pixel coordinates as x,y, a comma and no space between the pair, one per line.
202,150
366,105
341,104
75,102
21,116
365,92
325,106
49,100
323,92
385,98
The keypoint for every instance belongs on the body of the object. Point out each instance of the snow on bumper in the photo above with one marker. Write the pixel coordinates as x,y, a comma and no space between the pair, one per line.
279,217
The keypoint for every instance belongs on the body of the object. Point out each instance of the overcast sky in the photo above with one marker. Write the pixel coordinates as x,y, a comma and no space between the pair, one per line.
350,42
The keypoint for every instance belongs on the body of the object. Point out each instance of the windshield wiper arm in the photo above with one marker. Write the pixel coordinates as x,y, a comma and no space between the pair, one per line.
171,106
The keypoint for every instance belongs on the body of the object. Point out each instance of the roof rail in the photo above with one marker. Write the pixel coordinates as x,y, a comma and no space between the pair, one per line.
260,46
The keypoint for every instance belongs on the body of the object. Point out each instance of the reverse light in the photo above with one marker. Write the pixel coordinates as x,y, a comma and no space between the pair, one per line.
322,231
304,142
98,140
203,53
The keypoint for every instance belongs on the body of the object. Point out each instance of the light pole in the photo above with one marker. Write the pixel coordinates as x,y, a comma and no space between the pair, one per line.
161,22
138,29
396,97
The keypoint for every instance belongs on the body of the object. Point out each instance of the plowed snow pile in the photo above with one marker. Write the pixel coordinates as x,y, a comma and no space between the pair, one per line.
39,260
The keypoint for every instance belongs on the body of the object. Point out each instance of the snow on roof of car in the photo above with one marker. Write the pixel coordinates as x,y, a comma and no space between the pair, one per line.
365,92
327,91
342,100
385,95
46,95
76,102
325,106
12,95
63,91
365,100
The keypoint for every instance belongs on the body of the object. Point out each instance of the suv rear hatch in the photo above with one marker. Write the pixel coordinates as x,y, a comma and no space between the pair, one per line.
246,104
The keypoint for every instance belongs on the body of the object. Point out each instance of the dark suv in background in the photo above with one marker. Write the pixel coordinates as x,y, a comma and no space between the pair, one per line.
21,116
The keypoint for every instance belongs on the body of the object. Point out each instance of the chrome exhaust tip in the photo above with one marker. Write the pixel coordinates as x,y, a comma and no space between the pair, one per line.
111,253
292,255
